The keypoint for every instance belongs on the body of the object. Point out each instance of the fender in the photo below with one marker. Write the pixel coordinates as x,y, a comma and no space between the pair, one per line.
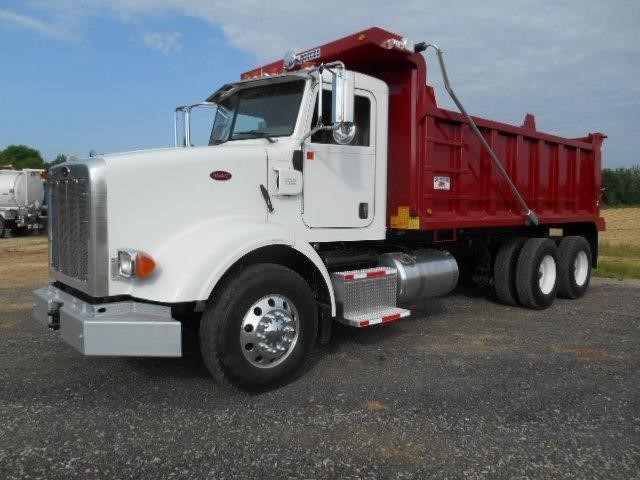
190,266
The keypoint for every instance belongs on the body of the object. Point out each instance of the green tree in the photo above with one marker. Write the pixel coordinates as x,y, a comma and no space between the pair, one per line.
61,158
622,186
21,156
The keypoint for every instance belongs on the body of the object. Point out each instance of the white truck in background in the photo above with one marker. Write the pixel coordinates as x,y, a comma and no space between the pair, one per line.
22,206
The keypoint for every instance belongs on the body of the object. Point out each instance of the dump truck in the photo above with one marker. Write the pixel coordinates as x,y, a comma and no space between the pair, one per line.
333,188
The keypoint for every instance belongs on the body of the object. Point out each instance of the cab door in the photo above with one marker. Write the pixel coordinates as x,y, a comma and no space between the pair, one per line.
339,179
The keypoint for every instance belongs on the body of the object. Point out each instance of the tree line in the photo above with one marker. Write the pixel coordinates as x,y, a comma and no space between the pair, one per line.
622,186
21,156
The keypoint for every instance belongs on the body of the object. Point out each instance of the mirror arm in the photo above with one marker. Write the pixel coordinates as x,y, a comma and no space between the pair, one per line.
320,126
315,130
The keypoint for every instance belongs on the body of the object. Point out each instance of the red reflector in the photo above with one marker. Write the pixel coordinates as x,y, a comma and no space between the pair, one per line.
390,318
379,273
364,323
311,155
349,277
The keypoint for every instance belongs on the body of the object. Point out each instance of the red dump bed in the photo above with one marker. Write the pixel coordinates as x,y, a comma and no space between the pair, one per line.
440,177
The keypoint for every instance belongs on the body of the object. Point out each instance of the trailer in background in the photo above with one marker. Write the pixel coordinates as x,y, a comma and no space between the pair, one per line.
22,201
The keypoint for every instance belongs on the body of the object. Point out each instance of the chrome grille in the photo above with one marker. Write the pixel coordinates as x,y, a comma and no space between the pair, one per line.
69,204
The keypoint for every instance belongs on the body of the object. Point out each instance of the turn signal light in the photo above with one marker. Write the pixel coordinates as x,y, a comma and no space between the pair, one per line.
132,263
144,265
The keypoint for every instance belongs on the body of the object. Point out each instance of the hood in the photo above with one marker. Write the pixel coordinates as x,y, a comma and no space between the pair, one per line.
155,195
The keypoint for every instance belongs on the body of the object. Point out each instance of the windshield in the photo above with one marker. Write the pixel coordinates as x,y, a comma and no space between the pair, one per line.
264,111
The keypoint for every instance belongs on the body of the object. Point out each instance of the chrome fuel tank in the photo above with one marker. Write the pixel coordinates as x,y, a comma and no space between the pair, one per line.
422,273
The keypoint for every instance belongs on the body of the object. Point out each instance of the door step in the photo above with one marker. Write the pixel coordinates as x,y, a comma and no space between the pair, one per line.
367,297
374,317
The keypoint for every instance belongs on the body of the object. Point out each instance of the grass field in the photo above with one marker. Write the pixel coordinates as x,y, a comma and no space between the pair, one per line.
24,260
620,244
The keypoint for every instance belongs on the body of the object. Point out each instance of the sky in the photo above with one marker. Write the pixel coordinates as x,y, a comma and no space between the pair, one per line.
106,75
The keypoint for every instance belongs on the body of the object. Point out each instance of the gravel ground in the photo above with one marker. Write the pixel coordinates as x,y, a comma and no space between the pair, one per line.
466,388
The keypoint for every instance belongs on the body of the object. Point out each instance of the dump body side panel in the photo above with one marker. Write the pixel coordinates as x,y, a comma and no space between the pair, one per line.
459,187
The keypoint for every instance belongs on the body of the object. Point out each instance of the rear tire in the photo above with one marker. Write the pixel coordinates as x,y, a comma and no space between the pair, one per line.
574,267
5,228
258,330
536,273
504,270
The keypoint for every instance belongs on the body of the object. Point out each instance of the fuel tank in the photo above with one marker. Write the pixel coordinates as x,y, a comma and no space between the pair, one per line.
422,273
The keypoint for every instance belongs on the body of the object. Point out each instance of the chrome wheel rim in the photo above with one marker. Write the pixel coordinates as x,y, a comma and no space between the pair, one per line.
269,331
581,268
547,274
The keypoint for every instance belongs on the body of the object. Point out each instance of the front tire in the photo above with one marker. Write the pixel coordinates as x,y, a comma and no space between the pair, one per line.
575,267
537,273
258,330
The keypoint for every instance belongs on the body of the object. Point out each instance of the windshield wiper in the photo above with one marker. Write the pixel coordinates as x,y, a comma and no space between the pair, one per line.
257,134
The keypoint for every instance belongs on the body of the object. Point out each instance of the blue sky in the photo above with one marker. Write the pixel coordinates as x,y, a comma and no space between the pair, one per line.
106,75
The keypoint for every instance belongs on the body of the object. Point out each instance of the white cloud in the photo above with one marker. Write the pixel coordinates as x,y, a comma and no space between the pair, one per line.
34,24
167,44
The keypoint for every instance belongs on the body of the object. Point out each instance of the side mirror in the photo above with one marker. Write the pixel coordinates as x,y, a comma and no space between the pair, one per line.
342,97
342,106
342,100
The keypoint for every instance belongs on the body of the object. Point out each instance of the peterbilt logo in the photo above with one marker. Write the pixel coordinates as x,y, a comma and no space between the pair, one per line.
220,175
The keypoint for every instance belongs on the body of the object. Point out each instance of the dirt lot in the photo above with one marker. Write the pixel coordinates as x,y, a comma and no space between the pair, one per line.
466,388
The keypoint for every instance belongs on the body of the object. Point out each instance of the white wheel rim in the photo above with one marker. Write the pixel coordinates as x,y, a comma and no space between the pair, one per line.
581,268
547,274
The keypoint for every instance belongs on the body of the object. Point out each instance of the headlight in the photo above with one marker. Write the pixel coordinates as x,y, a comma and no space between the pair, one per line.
132,263
126,262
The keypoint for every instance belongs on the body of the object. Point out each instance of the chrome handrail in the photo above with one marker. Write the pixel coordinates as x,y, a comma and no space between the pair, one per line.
186,112
530,214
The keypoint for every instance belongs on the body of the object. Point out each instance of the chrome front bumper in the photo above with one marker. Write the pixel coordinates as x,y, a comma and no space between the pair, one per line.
129,328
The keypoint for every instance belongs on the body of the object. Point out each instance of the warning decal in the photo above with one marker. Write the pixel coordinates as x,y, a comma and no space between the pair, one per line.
442,183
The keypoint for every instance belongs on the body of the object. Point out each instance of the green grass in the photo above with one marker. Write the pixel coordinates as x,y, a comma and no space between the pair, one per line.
623,251
618,261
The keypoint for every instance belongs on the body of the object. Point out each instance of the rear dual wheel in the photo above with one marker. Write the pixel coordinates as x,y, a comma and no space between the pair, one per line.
575,267
537,273
504,270
532,272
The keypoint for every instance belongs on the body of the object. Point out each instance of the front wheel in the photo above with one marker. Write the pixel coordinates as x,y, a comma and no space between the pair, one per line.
258,330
